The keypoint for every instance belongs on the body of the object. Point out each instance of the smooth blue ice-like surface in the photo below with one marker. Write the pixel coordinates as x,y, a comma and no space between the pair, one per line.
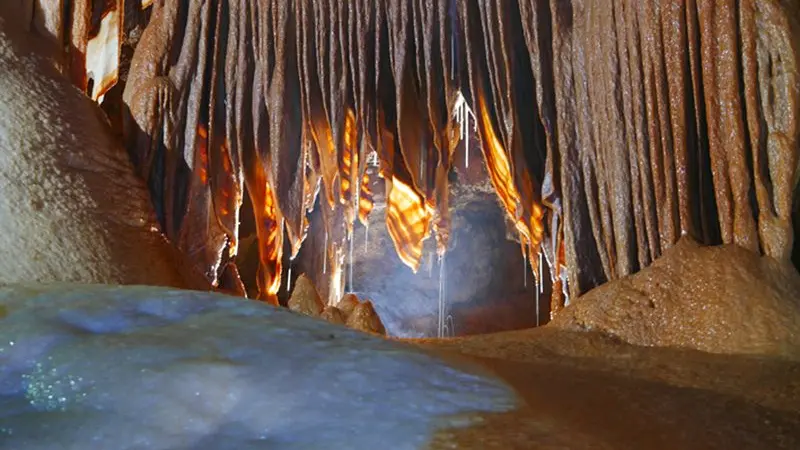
102,367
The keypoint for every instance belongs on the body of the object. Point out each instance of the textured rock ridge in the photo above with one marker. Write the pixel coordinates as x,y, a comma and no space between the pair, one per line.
717,299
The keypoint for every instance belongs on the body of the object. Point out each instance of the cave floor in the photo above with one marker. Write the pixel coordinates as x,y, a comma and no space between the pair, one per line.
583,390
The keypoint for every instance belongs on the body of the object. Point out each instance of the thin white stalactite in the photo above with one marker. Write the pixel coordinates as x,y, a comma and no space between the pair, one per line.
422,167
541,285
466,144
325,258
463,130
564,284
440,332
449,326
537,303
525,267
356,203
538,280
461,119
462,114
350,262
337,279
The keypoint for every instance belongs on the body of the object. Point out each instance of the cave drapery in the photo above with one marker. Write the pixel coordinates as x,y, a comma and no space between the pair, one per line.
609,128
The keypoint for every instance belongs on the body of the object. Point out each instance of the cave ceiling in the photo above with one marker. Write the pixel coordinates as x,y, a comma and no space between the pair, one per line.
608,128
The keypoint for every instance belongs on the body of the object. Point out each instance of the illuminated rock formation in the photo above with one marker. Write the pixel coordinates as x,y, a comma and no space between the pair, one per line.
90,33
609,128
350,311
214,372
614,129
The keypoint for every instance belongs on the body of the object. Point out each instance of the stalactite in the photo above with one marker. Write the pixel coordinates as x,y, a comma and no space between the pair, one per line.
287,152
609,128
365,200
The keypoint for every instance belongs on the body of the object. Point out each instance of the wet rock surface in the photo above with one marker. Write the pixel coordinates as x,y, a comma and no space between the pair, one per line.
109,367
717,299
661,398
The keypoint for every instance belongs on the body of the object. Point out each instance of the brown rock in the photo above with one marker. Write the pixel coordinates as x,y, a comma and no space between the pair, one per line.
333,315
347,304
73,207
715,299
364,318
230,281
305,298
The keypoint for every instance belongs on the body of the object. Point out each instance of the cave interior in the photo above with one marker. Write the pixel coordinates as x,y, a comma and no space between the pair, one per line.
560,144
442,170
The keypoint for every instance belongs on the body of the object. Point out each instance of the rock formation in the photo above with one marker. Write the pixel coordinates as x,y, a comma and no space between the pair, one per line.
350,311
609,128
333,315
716,299
71,205
347,304
614,133
364,318
616,128
305,298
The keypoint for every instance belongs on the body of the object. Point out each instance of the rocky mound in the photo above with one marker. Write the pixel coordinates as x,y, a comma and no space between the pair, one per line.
305,299
350,311
715,299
